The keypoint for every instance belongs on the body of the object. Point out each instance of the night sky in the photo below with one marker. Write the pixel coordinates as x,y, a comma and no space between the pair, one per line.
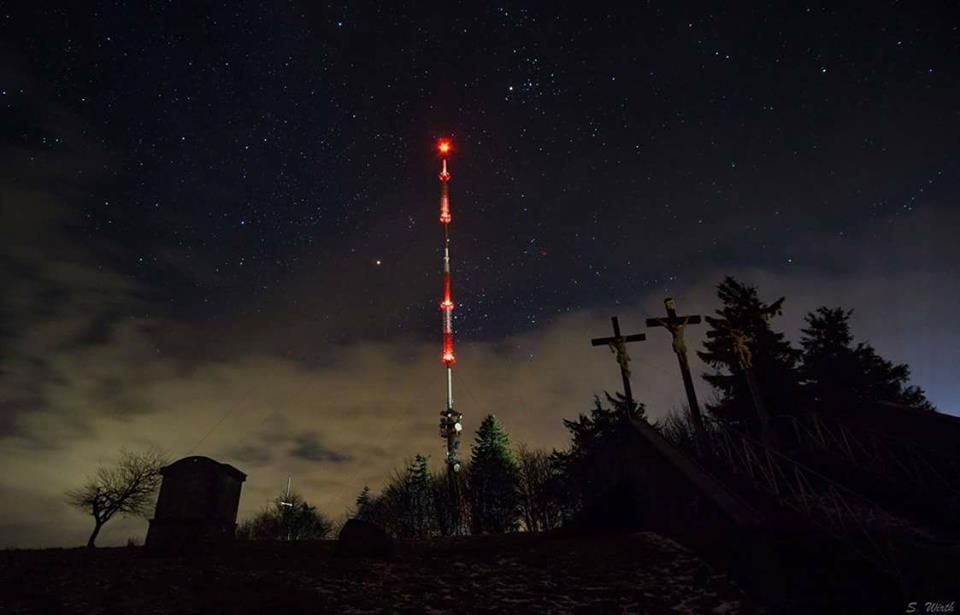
220,233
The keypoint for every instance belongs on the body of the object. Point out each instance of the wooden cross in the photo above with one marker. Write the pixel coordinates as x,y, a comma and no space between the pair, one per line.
676,325
741,347
617,345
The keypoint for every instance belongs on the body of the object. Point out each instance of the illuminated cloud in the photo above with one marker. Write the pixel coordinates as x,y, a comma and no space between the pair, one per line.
338,385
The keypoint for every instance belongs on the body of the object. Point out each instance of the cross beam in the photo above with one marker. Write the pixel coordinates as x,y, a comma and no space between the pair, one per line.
675,325
617,344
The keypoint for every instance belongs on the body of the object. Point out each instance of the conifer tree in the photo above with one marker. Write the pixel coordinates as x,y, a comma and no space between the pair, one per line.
364,505
405,507
571,468
774,360
837,374
585,430
420,486
492,481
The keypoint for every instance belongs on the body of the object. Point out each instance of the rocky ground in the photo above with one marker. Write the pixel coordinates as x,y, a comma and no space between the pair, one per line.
639,573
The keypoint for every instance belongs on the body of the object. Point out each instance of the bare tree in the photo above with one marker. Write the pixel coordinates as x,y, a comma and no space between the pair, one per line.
126,487
539,507
451,502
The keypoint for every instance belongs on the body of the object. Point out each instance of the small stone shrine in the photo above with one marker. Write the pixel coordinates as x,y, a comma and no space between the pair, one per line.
197,504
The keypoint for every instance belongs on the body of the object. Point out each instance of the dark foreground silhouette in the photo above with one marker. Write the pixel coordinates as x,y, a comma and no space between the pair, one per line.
518,573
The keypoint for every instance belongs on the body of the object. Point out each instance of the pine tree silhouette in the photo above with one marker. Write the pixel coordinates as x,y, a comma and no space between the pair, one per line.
837,374
774,360
602,419
420,489
494,499
364,505
573,468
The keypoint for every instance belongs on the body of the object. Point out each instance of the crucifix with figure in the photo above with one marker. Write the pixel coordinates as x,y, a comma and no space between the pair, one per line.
617,345
740,340
676,325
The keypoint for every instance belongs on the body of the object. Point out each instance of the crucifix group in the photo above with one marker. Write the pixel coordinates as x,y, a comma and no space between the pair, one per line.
675,325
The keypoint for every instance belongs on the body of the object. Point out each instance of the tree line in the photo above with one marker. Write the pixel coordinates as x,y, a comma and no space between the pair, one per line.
829,372
502,489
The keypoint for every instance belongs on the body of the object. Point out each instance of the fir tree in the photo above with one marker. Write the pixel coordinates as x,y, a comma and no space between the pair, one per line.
571,468
585,430
774,360
837,374
405,508
492,481
420,486
364,505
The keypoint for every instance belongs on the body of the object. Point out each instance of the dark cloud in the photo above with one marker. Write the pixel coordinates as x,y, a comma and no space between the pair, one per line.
351,419
307,446
251,455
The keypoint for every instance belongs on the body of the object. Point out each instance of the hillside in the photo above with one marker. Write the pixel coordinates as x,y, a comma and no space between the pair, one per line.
517,573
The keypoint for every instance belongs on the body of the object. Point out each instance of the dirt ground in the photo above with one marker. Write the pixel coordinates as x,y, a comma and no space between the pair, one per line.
639,573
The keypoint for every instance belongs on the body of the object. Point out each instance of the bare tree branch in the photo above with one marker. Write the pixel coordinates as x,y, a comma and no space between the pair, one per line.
127,487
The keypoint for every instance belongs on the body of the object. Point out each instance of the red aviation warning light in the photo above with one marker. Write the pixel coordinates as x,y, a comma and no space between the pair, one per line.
446,306
444,147
451,423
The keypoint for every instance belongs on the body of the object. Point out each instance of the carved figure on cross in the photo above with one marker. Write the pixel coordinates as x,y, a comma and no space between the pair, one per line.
741,346
618,348
740,341
617,345
676,325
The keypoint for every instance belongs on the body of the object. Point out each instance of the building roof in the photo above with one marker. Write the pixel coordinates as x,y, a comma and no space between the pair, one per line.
198,462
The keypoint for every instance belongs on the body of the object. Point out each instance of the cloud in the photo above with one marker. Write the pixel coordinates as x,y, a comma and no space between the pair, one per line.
83,374
250,455
300,389
307,446
369,409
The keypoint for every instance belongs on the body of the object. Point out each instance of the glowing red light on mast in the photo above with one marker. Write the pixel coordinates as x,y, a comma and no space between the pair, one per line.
451,424
444,147
446,306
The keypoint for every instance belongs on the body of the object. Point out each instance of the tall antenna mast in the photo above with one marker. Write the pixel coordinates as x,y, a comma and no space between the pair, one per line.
451,421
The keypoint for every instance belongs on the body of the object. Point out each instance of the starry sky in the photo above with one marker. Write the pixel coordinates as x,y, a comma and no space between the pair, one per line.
220,235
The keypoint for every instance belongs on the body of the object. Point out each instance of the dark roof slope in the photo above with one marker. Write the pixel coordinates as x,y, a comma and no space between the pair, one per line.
197,461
